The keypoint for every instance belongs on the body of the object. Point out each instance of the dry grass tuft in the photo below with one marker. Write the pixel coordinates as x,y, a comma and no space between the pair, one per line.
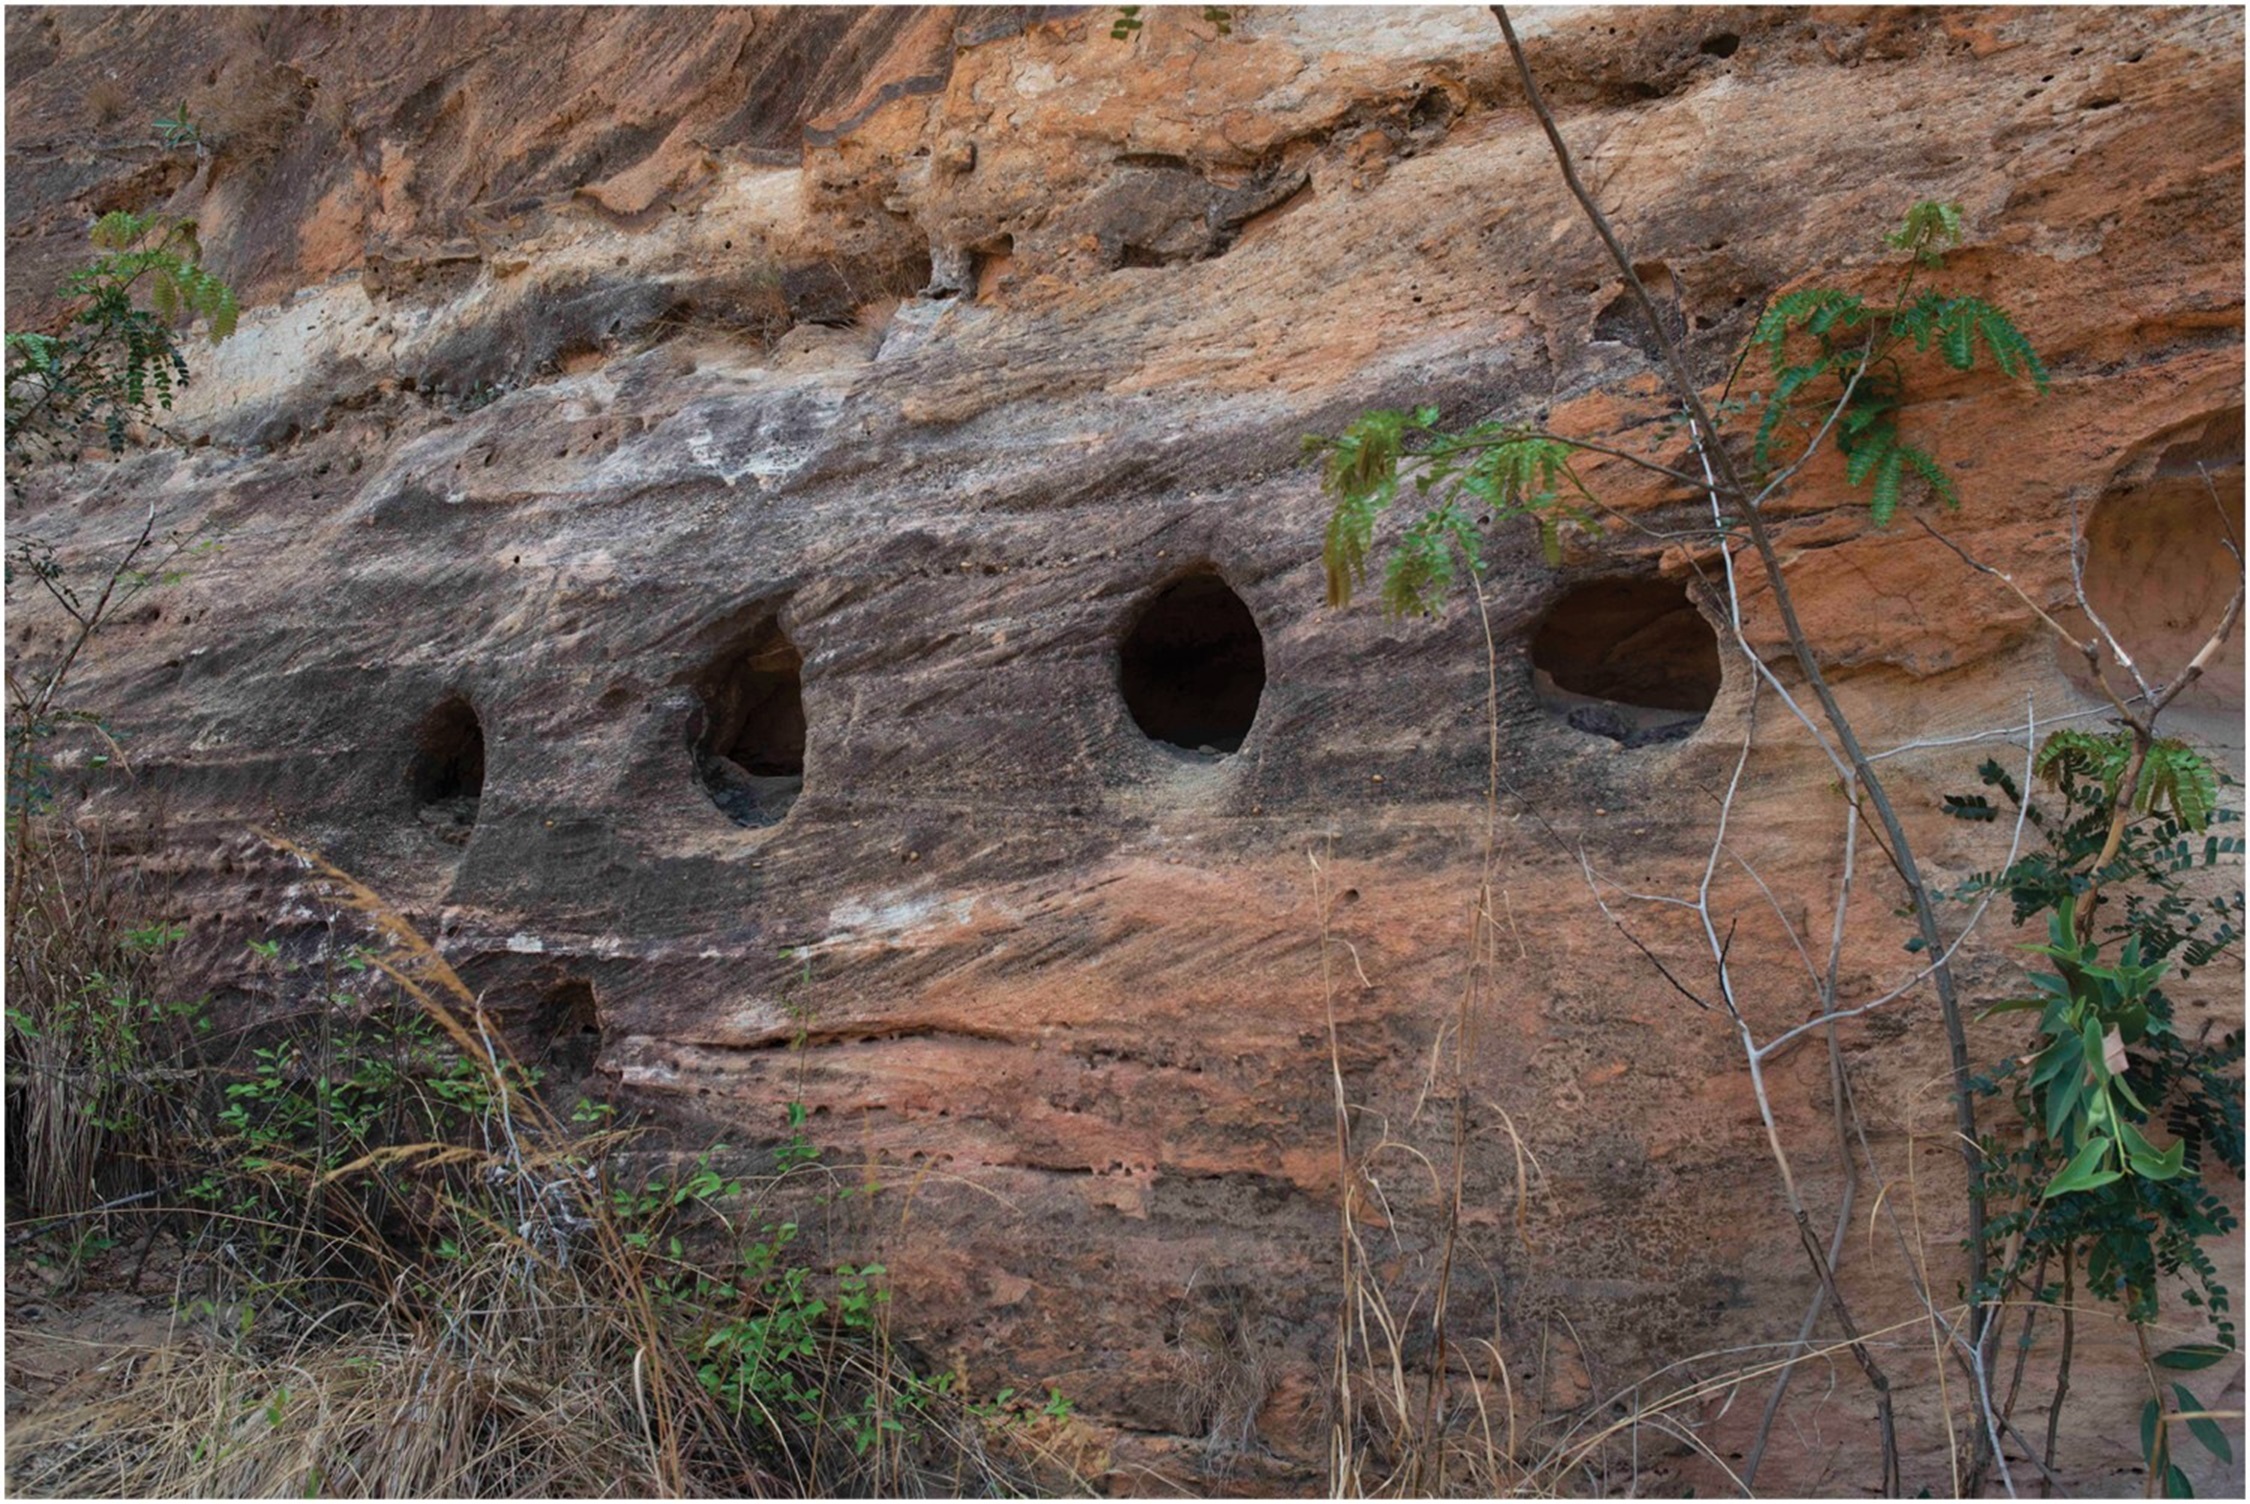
106,101
404,1275
98,1063
381,1416
251,113
330,109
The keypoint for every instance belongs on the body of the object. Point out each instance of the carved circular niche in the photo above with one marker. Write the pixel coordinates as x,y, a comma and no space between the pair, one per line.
748,743
1629,659
446,773
1192,666
2159,573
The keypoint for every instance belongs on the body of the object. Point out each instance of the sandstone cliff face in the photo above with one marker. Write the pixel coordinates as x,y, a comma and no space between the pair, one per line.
689,484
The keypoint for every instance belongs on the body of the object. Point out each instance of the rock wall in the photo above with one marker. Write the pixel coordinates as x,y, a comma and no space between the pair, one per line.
689,485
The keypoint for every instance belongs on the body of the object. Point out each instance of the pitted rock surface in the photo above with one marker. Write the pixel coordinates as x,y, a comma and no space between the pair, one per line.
946,340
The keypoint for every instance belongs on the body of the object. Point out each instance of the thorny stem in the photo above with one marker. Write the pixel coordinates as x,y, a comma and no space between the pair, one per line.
1754,1058
2023,1342
2160,1461
34,707
2069,1345
1820,1295
1841,1103
1901,851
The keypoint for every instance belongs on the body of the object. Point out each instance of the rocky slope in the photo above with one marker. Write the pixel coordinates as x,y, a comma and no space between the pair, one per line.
689,486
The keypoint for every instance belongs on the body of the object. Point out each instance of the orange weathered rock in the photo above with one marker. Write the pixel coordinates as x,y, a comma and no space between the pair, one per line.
576,354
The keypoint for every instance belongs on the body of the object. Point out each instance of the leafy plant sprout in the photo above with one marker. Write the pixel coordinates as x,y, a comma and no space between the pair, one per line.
95,1055
177,131
112,363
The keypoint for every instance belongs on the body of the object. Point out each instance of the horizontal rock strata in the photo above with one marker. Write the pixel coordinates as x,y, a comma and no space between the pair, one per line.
585,362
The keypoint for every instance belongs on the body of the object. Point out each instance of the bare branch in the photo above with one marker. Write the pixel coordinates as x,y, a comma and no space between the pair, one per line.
1593,886
2086,604
2015,844
2091,647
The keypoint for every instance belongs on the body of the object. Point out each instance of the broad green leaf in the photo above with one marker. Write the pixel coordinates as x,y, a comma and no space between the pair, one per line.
2063,1098
2203,1429
2083,1173
2192,1356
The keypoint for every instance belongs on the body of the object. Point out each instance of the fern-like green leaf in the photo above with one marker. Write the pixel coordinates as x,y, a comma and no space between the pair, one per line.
1785,388
2011,352
1961,322
118,230
1840,313
1362,474
1930,229
36,350
1925,465
1958,344
216,301
1517,474
1884,502
1917,321
2068,754
1421,567
1351,533
2175,777
1867,452
1801,308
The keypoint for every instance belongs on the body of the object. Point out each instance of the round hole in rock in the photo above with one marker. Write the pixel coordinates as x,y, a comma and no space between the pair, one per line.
2159,573
749,747
571,1023
447,771
1629,659
1193,666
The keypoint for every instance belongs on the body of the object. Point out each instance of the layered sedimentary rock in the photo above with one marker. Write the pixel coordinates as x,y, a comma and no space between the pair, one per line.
744,524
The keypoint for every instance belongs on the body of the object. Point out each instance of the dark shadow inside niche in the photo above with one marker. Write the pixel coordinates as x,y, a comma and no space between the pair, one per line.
569,1027
447,771
749,745
2159,573
988,263
1192,667
1629,659
1621,321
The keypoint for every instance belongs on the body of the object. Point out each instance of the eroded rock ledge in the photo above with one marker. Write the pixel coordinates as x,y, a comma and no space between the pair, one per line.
610,386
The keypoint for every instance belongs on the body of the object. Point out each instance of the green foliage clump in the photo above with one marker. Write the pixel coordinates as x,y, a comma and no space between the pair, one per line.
1128,23
98,1051
1480,476
1845,357
2082,1184
1839,367
1855,367
2173,776
113,363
